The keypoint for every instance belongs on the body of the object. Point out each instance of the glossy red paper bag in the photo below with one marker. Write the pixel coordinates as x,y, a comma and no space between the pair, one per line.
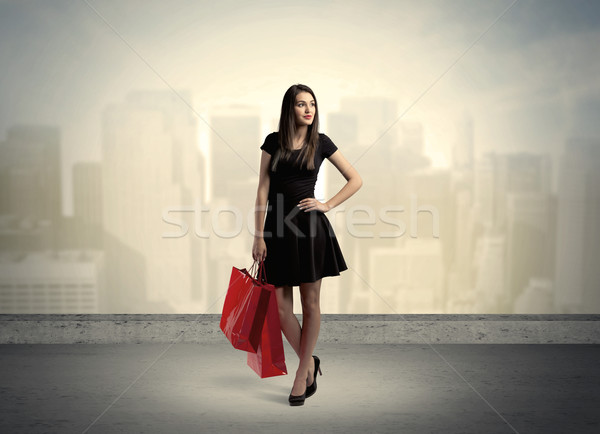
244,310
269,360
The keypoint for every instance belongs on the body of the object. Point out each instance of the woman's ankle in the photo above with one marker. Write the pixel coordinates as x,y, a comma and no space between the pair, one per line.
301,375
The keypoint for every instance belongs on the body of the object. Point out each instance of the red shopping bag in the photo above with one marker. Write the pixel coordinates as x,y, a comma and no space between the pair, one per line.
269,360
244,310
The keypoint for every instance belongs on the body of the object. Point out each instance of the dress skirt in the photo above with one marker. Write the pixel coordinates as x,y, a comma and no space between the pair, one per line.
301,246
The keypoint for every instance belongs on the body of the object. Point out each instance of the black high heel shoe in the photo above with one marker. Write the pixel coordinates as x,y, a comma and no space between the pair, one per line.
310,390
297,399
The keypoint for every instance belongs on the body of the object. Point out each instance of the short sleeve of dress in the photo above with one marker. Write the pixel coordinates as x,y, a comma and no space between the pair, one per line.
327,146
270,145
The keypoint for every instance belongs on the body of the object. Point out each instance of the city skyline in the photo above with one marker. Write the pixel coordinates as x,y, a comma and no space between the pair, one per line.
479,236
474,127
528,81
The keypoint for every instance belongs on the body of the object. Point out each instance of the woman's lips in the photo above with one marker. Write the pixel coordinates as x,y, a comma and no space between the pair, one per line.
307,117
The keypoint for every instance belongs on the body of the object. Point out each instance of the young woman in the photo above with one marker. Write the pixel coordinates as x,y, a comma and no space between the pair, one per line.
296,241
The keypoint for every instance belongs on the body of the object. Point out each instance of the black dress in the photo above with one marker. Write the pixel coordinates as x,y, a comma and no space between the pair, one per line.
301,245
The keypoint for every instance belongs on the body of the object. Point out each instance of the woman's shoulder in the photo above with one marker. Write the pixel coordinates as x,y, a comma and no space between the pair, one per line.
327,145
271,142
272,137
325,139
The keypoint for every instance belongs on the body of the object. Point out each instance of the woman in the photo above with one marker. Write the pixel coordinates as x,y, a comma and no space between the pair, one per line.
297,242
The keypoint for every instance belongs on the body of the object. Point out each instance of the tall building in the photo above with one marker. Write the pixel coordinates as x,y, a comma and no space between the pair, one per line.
373,117
484,190
519,173
234,149
235,141
463,152
489,263
408,277
460,247
380,213
342,128
30,164
578,234
513,197
529,240
411,137
86,226
151,180
87,192
497,175
359,131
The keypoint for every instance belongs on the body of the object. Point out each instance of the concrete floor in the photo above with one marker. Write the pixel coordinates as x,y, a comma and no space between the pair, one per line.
191,388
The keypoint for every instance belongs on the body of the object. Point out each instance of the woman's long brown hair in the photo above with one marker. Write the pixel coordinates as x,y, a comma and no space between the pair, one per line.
287,130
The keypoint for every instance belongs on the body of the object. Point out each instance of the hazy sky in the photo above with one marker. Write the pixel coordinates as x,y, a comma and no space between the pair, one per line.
529,82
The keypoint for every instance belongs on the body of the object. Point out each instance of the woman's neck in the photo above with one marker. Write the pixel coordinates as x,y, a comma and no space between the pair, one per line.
300,134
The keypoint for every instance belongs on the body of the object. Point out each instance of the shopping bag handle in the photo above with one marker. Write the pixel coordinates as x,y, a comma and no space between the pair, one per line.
261,276
258,272
253,270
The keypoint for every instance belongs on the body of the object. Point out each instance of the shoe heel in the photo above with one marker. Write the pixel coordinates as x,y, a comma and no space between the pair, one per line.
317,366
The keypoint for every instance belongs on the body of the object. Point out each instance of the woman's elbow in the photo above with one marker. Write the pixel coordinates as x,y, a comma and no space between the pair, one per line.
359,181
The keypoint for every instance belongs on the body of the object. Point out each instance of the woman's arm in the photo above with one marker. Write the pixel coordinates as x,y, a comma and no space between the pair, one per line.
259,249
354,182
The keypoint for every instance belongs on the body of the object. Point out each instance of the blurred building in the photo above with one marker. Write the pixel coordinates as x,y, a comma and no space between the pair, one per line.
359,131
530,240
234,153
484,189
87,192
151,184
490,263
234,149
578,236
30,188
25,234
86,227
463,152
30,163
537,298
513,201
51,282
408,278
373,117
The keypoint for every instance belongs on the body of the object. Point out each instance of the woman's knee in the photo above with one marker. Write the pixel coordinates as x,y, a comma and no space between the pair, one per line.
285,302
285,312
309,296
310,303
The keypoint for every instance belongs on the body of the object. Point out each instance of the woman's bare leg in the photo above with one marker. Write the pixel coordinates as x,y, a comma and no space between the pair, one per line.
311,323
289,323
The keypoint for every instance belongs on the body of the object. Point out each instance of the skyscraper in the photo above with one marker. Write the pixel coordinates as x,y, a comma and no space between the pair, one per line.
578,234
151,175
463,153
30,163
234,153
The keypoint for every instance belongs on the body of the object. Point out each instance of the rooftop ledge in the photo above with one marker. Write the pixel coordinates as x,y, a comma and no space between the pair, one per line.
343,329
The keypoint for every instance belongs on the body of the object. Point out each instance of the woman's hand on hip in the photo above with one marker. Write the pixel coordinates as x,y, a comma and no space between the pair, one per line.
310,204
259,249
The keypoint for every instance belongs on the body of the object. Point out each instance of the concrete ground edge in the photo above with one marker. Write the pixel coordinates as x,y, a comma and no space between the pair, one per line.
355,329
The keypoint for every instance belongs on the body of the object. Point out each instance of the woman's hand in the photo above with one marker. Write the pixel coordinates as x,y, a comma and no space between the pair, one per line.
310,203
259,249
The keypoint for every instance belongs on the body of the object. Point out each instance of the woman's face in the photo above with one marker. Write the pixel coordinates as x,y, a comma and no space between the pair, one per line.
305,109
